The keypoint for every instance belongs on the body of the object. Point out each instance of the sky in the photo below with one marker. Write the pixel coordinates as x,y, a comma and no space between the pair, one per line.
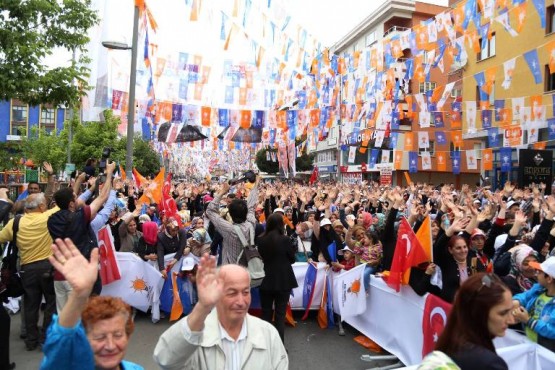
328,22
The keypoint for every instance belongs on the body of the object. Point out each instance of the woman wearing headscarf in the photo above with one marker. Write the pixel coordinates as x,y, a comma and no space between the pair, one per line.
378,223
364,219
522,275
128,233
322,237
146,248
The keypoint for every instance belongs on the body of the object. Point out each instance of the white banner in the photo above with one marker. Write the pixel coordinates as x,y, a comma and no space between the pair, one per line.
349,295
140,283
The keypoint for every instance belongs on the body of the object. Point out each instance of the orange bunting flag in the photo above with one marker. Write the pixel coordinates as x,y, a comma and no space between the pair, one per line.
490,79
409,141
398,160
408,253
551,52
442,162
205,113
407,178
246,116
314,118
520,12
242,96
177,305
536,102
456,138
487,159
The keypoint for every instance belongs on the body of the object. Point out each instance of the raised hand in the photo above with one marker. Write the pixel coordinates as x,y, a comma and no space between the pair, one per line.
209,285
48,168
79,273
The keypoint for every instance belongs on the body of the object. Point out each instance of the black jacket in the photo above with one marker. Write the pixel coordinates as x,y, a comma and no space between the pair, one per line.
278,254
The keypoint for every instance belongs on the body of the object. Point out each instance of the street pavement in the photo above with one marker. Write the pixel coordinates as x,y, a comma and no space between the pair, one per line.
309,346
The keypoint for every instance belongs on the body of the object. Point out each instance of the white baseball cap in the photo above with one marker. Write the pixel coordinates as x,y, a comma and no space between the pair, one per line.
325,221
346,249
188,264
547,266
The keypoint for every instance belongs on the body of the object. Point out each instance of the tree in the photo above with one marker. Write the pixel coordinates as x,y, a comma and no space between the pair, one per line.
89,140
265,165
31,30
303,163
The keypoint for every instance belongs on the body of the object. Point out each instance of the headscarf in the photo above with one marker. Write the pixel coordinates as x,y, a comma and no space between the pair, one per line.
366,220
150,232
380,223
519,254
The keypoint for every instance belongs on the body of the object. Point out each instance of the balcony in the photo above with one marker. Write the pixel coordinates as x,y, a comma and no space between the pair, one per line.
395,30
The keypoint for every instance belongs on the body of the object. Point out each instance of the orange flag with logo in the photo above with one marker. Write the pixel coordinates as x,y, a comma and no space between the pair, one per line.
154,189
551,52
246,116
206,113
487,159
139,179
398,160
456,138
409,141
441,161
540,145
520,12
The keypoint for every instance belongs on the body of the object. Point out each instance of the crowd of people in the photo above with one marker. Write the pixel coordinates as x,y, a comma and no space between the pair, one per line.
492,258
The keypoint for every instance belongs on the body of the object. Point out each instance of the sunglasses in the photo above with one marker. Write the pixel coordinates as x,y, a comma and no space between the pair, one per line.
488,280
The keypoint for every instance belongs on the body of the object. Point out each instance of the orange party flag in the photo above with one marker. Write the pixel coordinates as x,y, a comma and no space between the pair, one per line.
487,159
456,138
205,113
409,141
246,116
398,160
441,161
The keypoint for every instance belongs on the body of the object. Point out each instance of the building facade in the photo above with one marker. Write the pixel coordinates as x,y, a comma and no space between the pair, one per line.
408,121
17,119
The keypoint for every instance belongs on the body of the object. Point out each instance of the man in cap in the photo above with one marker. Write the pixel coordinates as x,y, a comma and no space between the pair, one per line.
536,307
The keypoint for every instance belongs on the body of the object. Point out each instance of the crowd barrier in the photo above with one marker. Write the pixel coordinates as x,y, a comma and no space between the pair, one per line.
392,320
395,320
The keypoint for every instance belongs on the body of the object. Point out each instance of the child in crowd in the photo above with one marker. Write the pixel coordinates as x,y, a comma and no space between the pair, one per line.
536,307
348,260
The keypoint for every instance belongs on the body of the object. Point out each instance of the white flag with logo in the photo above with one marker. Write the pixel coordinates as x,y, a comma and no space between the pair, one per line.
140,283
349,292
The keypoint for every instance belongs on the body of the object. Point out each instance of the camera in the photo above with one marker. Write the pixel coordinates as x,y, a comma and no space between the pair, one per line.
105,155
249,176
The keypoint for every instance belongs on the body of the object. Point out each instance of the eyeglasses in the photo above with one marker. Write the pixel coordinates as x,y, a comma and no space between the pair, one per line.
488,280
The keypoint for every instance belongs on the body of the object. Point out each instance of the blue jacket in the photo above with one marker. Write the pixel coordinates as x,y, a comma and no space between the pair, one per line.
545,326
69,348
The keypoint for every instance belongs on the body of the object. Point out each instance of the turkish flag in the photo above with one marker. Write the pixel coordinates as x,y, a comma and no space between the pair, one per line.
434,320
408,253
109,270
314,176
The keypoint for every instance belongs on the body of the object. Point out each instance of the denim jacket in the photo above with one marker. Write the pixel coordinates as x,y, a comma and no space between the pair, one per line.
545,326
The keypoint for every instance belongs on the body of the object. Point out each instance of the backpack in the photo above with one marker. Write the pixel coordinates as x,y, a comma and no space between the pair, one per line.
10,281
250,258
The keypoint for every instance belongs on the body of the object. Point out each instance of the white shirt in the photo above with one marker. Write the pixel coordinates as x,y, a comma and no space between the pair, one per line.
233,349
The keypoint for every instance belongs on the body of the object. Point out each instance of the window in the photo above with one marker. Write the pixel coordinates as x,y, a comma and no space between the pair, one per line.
371,39
19,118
456,93
550,20
478,150
489,50
431,149
48,120
426,86
549,80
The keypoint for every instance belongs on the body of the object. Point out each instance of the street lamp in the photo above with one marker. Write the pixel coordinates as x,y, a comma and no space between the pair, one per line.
132,82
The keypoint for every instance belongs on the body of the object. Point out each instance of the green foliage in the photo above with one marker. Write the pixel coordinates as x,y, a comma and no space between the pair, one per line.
303,163
264,165
34,29
10,154
89,140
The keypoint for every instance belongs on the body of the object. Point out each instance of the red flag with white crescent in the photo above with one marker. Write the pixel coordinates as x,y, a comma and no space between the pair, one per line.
434,320
109,270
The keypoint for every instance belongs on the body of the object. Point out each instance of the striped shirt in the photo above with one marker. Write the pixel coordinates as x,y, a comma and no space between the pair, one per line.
231,245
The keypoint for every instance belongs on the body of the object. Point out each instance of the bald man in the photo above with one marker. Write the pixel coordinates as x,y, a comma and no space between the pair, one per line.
224,338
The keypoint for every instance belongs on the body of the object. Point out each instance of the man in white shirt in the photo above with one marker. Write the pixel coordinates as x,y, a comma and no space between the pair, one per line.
227,337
